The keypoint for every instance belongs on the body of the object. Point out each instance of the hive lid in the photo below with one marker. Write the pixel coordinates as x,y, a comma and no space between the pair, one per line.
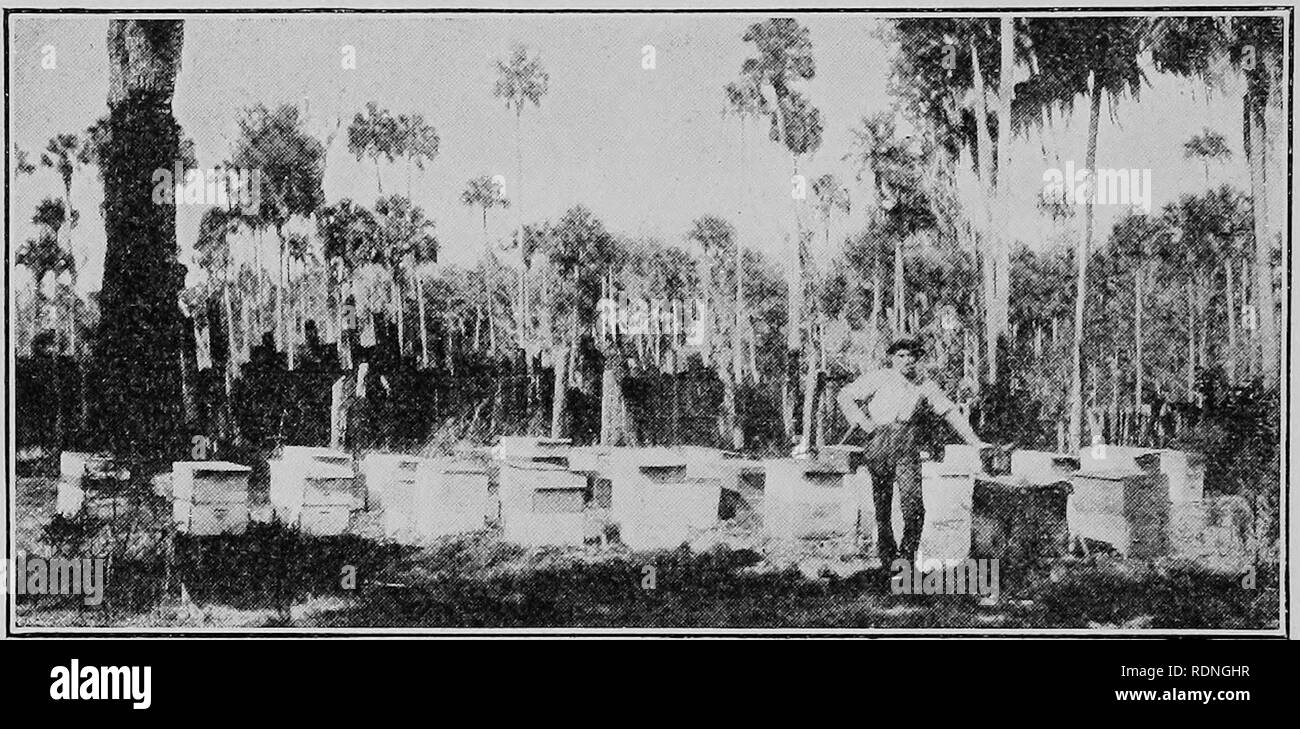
212,466
320,471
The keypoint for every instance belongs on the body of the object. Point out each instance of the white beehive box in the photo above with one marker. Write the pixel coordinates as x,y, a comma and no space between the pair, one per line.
632,470
530,448
542,504
667,515
462,500
1127,509
1043,466
384,472
395,485
210,497
209,481
802,505
1186,472
314,488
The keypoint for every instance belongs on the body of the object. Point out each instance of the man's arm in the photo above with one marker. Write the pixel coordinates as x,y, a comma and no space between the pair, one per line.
849,397
951,413
961,424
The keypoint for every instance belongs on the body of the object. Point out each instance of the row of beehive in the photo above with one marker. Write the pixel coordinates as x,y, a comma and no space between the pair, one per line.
660,498
322,491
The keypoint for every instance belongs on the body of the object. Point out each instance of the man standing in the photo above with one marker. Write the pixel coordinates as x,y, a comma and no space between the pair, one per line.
893,398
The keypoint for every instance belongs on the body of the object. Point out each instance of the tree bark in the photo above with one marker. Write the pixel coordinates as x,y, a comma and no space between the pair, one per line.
1137,338
140,324
1080,288
1256,154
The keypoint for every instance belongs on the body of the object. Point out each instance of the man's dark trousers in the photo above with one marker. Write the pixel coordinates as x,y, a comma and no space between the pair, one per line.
893,460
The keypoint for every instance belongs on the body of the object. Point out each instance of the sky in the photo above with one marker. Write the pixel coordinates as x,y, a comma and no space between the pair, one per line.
648,150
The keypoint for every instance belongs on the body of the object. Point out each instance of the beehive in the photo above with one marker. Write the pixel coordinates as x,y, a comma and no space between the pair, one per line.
632,473
95,483
459,499
528,448
210,497
1043,466
542,504
314,488
1185,471
946,491
803,504
1129,510
1019,521
666,515
389,475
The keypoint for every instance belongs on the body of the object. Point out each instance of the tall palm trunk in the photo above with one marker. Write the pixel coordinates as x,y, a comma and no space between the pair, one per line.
1191,340
281,311
226,406
1001,247
398,314
900,298
1230,309
984,155
424,326
1137,338
1256,154
1080,286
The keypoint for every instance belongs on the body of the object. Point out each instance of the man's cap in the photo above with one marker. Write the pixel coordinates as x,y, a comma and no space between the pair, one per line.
906,344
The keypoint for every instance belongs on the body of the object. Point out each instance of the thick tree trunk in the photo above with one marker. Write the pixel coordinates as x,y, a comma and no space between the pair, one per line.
140,323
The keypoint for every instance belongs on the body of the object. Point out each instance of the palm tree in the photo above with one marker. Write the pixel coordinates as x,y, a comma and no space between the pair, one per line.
1135,240
1194,47
580,248
302,254
424,250
954,98
1207,146
521,80
347,232
214,256
417,143
1092,58
717,238
43,256
402,228
375,135
784,58
292,173
63,154
744,100
485,193
52,218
